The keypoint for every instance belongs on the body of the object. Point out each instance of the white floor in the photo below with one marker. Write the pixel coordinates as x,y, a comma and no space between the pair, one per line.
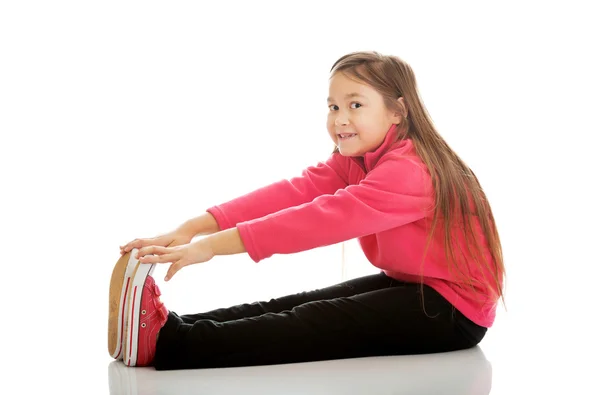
465,372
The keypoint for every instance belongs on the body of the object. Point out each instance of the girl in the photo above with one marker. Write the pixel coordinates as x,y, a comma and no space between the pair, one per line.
419,214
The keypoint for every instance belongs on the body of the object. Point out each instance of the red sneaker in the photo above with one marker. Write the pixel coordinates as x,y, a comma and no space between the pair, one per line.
120,284
146,315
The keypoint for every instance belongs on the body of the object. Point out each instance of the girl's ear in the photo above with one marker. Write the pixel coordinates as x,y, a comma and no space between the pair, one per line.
399,116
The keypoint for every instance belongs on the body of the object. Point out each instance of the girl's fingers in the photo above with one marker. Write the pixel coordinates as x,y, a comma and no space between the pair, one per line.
136,243
148,250
174,268
164,258
131,245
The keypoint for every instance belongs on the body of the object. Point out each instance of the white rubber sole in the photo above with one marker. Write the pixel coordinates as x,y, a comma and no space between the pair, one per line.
122,317
142,270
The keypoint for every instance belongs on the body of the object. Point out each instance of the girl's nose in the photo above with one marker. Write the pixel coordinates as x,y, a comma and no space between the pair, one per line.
341,121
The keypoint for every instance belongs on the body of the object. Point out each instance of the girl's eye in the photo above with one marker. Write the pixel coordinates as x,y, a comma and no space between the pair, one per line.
333,105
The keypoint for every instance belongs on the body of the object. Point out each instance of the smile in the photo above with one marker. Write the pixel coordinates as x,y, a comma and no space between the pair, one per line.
346,136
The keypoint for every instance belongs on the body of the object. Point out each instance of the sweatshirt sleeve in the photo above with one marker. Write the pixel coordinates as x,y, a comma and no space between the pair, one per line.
396,192
323,178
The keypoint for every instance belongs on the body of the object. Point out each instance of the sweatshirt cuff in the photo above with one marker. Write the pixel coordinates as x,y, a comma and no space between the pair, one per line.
220,217
249,241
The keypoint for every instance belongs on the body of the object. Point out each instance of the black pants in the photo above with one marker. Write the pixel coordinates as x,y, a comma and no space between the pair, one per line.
368,316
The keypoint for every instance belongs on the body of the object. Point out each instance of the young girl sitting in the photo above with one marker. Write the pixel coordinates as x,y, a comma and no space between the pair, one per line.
392,181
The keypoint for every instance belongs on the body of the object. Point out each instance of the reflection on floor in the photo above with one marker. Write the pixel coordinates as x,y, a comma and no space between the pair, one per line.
466,372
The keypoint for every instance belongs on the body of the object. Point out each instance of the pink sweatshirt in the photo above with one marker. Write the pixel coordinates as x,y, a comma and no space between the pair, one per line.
385,199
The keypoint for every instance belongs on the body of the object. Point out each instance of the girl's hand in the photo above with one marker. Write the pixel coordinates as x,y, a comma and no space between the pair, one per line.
179,257
175,238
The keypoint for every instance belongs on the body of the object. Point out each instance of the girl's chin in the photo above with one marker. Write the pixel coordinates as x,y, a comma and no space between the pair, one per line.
349,152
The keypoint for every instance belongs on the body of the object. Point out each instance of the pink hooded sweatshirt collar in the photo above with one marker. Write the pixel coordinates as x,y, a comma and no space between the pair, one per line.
370,159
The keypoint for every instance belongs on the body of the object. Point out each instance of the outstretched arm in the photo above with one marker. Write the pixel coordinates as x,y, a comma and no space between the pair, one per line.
398,191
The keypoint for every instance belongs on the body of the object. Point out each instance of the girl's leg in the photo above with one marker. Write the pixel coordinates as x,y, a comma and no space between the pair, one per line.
386,321
347,288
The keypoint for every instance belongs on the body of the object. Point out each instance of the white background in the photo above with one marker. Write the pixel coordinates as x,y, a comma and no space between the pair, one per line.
123,119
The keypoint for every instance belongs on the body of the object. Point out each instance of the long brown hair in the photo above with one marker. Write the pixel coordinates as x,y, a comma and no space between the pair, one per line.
456,186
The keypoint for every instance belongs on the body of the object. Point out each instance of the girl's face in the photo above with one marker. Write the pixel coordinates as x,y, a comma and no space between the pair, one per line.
358,119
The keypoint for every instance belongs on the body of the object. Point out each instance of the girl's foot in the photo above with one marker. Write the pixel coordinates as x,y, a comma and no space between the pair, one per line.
146,315
120,285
